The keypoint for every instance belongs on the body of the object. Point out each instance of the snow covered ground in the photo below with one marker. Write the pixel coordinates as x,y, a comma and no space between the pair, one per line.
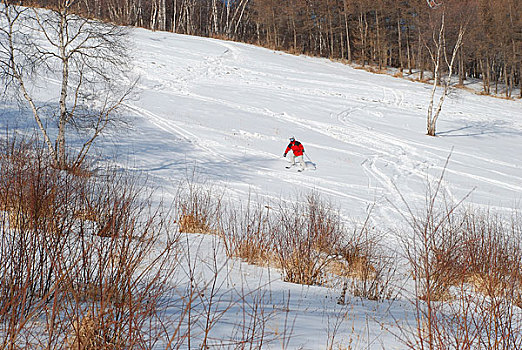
228,109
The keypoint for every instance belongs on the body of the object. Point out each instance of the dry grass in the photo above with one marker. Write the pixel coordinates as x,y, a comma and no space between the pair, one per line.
306,234
425,80
358,267
254,252
484,250
487,284
300,268
198,206
371,272
484,93
247,234
311,246
86,215
190,223
87,334
372,69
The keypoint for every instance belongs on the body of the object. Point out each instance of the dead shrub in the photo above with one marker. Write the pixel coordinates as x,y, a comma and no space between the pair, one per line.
87,334
306,234
425,80
56,264
29,188
472,247
254,251
361,268
372,69
487,284
367,271
82,170
198,206
191,224
86,215
434,253
466,265
247,234
492,254
302,268
310,244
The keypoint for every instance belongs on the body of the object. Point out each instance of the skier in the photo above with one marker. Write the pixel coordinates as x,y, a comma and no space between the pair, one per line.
297,153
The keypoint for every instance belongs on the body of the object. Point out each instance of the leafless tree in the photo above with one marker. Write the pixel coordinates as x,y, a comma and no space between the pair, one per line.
378,34
87,59
440,57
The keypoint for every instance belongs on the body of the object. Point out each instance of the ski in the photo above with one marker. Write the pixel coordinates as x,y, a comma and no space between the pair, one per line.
291,166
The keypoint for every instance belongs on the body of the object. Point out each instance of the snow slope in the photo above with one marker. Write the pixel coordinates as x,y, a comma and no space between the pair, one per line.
228,109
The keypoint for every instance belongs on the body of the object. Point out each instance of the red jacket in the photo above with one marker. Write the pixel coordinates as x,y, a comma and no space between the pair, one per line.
296,147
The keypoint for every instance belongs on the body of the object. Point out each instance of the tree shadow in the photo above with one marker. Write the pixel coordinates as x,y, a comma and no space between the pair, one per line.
497,127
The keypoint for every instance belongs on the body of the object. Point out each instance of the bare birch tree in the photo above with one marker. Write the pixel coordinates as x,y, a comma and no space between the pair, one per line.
439,57
85,58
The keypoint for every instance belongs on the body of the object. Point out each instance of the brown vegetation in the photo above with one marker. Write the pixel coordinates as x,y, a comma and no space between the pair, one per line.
467,269
86,275
192,224
379,33
308,242
198,206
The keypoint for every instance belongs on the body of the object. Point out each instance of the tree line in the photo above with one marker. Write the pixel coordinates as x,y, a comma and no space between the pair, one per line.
381,33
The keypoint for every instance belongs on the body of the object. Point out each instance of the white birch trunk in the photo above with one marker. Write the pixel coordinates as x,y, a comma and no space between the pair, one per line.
433,114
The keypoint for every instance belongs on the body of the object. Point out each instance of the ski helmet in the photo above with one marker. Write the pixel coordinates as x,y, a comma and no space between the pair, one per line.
292,138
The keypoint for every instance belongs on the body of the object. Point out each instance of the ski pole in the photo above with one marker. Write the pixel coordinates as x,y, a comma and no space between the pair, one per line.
306,154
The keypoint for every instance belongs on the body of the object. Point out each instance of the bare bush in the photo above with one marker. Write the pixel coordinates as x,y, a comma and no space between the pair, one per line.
466,265
311,245
488,285
60,274
198,206
247,234
307,234
88,263
372,277
366,269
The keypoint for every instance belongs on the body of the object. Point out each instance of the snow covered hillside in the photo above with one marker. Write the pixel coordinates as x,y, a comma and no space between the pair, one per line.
229,108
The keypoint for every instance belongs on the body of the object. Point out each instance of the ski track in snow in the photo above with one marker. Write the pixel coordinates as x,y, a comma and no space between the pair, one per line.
171,127
367,128
301,180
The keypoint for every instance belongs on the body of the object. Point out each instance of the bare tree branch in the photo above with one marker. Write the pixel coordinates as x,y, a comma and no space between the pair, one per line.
90,56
